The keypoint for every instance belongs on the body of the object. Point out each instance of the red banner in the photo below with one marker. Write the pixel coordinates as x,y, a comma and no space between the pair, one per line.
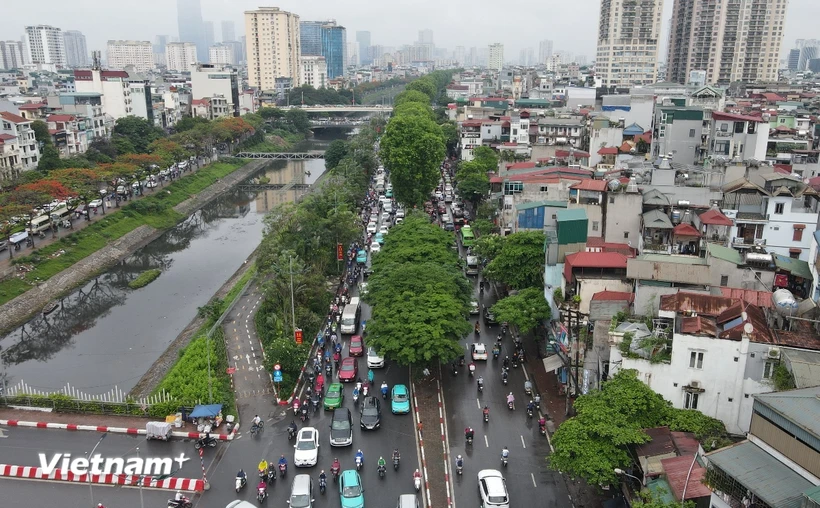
297,334
340,252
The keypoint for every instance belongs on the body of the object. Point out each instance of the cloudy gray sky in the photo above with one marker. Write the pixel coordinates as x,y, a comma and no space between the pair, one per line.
571,24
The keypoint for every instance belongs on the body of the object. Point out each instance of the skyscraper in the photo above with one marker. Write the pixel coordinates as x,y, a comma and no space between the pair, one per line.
191,27
45,46
426,36
310,35
140,54
809,50
495,56
459,55
794,59
272,54
228,31
544,51
731,41
209,33
11,54
179,56
334,49
628,42
76,53
365,53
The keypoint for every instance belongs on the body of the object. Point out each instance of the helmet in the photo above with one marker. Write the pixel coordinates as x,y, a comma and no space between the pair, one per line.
359,450
459,457
323,471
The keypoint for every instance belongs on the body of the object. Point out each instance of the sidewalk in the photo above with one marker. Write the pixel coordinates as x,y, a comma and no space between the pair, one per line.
428,411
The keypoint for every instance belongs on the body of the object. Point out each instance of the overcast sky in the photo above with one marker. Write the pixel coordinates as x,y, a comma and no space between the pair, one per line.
572,24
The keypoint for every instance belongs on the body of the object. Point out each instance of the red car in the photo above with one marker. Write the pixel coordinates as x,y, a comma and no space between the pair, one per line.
356,346
348,370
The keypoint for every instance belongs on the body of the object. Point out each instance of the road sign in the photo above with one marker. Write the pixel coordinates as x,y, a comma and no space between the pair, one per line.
297,334
277,376
277,367
340,252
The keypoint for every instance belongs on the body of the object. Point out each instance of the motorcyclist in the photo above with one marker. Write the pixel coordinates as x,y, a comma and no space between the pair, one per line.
322,477
360,456
382,462
263,487
370,376
506,363
263,467
241,475
396,455
292,427
283,462
531,406
511,400
505,453
459,461
469,433
335,467
480,382
477,328
385,388
471,367
486,411
542,422
256,421
178,496
504,375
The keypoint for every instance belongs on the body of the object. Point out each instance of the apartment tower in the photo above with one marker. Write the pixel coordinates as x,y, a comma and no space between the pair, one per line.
735,40
45,46
76,52
273,47
139,54
628,32
495,56
179,56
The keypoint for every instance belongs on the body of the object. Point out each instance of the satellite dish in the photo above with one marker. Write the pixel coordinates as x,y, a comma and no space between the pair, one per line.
748,328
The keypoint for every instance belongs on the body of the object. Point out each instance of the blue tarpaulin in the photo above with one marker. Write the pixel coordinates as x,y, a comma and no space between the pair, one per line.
205,411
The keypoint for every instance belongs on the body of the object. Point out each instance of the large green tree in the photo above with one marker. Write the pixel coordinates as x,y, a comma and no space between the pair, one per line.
414,108
411,96
520,262
425,86
336,151
138,131
412,149
525,310
298,119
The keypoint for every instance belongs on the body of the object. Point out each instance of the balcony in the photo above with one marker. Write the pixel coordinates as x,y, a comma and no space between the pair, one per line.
746,243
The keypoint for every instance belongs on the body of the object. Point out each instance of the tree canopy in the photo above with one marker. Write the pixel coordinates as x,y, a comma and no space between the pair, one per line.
138,131
525,310
411,96
427,87
520,261
336,151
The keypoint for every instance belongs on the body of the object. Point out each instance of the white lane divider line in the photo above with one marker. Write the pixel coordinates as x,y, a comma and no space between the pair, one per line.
486,442
533,481
478,403
522,442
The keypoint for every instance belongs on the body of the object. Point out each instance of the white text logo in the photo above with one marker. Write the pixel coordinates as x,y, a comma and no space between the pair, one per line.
98,465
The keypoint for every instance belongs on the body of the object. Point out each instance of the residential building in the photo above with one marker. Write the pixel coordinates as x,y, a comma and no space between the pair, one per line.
731,41
68,133
569,130
628,44
314,71
76,52
310,37
10,164
365,54
679,131
139,54
740,136
141,98
112,86
12,54
179,56
273,48
191,26
544,51
20,128
214,81
495,56
334,41
88,106
45,47
222,54
588,273
228,31
604,136
777,465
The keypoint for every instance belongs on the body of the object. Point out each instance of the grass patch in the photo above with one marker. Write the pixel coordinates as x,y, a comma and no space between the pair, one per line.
154,210
234,292
278,140
145,278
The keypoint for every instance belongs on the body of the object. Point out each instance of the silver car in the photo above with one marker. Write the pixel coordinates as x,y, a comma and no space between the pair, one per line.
301,492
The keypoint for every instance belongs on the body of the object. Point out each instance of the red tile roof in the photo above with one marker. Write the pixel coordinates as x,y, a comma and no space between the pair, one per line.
590,185
646,136
496,179
685,230
593,260
4,137
521,165
86,75
472,123
677,472
32,105
716,218
60,118
716,115
773,97
626,146
613,296
578,154
11,117
596,242
199,102
608,150
505,123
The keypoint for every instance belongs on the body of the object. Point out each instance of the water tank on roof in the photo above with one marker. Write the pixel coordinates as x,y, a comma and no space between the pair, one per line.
758,258
676,216
613,184
784,302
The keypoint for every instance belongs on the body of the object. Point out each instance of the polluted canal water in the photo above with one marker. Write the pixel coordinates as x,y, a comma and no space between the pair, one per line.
105,335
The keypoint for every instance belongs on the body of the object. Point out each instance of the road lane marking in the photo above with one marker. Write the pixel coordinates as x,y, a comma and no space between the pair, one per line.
533,480
486,442
522,442
478,403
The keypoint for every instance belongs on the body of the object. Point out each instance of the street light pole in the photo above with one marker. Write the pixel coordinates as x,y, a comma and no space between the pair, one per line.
624,473
90,456
292,301
142,503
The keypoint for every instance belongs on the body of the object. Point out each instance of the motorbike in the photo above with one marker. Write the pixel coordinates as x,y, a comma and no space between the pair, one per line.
486,417
471,370
261,494
515,362
459,468
364,391
240,483
315,403
283,470
329,370
334,472
529,412
542,427
205,441
395,463
384,391
504,459
455,370
291,433
528,387
511,405
304,415
496,352
182,503
382,471
322,485
480,386
417,482
504,378
255,428
270,477
296,407
469,440
358,463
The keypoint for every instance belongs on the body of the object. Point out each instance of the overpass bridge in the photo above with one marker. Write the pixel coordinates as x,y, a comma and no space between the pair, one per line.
281,155
272,186
331,124
343,109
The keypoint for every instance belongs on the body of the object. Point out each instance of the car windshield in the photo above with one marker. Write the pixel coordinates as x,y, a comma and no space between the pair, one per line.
351,491
306,445
340,425
400,397
333,393
355,343
347,366
497,499
300,501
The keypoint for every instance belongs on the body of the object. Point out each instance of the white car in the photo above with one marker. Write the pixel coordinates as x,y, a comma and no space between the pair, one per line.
307,447
362,288
479,351
371,228
399,220
375,247
474,308
243,504
384,230
385,217
493,489
374,361
96,203
182,165
151,184
400,213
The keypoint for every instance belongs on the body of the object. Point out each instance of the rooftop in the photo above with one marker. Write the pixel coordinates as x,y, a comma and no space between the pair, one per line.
596,260
657,219
715,217
11,117
590,185
716,115
539,204
664,258
799,406
655,197
805,367
684,229
616,296
796,267
724,253
677,473
571,214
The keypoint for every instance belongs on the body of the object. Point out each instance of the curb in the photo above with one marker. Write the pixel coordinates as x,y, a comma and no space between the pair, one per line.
114,430
35,473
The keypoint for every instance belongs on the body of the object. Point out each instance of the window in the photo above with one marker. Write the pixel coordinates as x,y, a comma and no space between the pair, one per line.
695,360
768,369
626,234
691,133
611,200
797,236
778,208
794,254
724,127
595,225
724,280
740,127
690,400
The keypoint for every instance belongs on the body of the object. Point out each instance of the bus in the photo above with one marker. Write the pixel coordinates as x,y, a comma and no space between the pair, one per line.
350,316
472,265
38,224
467,236
60,214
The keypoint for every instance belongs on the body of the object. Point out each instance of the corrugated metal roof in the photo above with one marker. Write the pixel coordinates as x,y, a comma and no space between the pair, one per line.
663,258
796,267
762,299
613,295
804,365
538,204
657,219
677,471
571,214
765,476
724,253
800,406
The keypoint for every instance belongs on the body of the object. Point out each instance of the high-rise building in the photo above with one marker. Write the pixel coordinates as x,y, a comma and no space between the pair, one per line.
179,56
365,53
472,57
314,71
426,36
273,47
794,59
495,56
544,51
353,53
228,31
628,42
310,36
732,41
45,46
76,53
191,27
222,54
11,54
210,38
139,54
159,43
809,49
459,55
334,45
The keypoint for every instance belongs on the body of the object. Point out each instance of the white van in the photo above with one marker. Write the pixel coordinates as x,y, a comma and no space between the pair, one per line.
38,224
350,316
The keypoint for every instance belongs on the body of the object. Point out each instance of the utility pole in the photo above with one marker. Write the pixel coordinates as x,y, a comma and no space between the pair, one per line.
292,302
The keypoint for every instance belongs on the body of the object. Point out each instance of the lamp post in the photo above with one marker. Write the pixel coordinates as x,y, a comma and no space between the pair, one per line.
90,456
621,472
142,503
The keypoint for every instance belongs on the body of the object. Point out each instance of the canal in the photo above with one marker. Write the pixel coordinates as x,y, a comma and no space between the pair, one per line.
105,335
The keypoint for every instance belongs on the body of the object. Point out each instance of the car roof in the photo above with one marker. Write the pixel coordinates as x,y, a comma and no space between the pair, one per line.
356,337
240,504
479,345
306,430
350,475
371,401
400,388
335,385
341,412
489,474
301,484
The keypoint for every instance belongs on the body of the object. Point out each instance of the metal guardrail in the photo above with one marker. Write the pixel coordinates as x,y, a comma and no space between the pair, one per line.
272,186
280,155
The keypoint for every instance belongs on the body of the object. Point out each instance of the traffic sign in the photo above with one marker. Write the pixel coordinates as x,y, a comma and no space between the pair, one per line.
297,334
277,376
277,367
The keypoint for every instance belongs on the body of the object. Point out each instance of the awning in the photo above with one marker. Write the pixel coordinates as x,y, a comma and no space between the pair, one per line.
552,362
799,226
206,410
795,250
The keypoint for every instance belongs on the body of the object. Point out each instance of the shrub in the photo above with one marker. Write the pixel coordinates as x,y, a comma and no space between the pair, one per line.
144,278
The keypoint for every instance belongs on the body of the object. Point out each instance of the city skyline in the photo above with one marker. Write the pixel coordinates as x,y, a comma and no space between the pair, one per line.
409,21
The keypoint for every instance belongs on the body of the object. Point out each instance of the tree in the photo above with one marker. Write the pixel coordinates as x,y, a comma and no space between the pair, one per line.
650,499
520,263
424,86
189,122
486,158
414,108
336,151
525,310
83,182
298,119
169,152
269,113
138,131
48,187
411,96
49,159
412,150
449,133
41,134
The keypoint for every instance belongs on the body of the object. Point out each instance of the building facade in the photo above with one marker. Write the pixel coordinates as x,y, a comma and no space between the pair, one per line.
544,51
179,56
628,43
45,46
495,56
334,49
139,54
76,52
112,86
731,41
314,71
310,36
191,27
221,54
365,54
20,128
215,81
12,54
273,47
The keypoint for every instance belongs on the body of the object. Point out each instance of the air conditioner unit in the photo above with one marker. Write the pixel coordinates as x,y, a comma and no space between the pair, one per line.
773,353
694,384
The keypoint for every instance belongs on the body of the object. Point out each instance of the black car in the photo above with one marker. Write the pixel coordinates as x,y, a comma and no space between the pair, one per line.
341,428
489,319
371,413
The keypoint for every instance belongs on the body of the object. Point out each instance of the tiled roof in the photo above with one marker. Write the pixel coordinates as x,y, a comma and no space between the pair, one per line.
11,117
32,106
590,185
596,260
685,230
6,137
715,217
520,165
608,150
578,154
737,118
613,296
60,118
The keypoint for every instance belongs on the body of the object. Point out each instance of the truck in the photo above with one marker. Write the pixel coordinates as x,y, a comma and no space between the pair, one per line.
350,316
